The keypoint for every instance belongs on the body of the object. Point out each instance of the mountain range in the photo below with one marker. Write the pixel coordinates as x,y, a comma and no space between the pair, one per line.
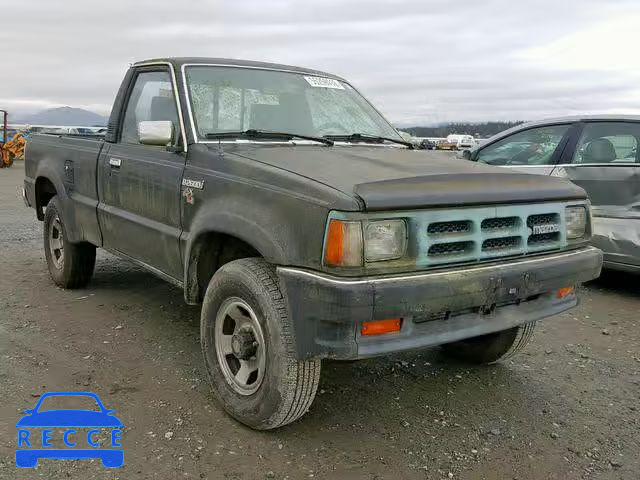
63,116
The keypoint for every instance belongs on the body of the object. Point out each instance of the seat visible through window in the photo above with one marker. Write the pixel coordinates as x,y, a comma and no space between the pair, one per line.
599,150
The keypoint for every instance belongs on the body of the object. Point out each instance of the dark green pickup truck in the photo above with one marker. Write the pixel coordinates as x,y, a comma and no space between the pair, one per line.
284,203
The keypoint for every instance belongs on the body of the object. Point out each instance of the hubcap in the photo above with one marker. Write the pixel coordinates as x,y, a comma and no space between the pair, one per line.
56,243
240,346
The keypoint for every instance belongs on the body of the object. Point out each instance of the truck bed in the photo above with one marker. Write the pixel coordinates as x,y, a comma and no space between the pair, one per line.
57,158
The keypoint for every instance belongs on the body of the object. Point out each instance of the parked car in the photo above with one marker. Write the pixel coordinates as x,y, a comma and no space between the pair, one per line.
598,153
284,203
426,144
461,141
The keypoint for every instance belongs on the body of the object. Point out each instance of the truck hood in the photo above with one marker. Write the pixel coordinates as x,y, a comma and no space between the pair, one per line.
395,178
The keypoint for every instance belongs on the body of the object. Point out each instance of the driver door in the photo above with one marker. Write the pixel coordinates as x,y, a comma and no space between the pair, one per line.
139,184
535,150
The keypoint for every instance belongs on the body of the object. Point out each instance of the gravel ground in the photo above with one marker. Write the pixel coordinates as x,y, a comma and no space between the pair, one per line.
567,408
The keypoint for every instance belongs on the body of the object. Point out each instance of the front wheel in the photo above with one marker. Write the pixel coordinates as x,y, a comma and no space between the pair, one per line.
249,347
70,264
491,348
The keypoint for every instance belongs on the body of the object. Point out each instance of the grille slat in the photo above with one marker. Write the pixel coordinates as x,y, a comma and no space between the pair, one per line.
450,249
540,239
444,228
500,223
502,243
543,219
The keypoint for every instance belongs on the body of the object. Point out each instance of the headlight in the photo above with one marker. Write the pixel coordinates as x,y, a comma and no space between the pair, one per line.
385,240
348,244
576,219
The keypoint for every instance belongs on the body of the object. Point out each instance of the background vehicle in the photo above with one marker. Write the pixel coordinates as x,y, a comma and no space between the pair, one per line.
598,153
281,200
426,144
461,141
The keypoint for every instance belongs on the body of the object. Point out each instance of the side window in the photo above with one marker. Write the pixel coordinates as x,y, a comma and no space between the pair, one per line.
151,99
529,147
608,142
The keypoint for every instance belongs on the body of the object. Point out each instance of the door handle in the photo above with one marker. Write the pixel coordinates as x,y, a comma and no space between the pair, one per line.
115,162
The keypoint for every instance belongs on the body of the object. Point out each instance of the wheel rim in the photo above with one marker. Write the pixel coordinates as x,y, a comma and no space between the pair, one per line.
56,243
240,346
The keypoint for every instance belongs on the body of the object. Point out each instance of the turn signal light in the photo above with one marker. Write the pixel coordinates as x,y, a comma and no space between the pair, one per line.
380,327
564,292
343,247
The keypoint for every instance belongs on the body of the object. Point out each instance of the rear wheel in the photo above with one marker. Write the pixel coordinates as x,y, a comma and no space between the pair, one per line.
249,348
491,348
70,264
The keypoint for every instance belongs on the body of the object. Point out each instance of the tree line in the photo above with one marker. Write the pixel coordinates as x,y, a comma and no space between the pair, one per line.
482,130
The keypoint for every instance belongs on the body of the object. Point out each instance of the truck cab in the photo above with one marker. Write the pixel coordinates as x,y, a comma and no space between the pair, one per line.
284,203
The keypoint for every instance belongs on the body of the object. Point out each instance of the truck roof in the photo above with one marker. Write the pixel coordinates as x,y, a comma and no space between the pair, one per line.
178,62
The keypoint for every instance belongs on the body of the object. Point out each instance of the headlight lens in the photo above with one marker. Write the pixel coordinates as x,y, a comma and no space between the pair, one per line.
385,240
576,218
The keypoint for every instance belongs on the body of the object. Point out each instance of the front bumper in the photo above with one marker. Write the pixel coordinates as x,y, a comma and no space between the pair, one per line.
436,307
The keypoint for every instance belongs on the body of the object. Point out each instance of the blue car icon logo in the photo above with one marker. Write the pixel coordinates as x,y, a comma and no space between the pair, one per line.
32,447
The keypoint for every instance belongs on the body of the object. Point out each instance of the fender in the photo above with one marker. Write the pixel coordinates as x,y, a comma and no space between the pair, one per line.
46,172
265,238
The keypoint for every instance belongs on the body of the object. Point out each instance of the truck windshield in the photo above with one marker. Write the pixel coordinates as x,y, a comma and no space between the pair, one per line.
236,99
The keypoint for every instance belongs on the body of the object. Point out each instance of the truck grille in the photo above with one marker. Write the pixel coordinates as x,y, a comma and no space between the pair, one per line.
484,233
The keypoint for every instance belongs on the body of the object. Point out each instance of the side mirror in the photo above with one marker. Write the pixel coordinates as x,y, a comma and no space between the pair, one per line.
159,132
464,154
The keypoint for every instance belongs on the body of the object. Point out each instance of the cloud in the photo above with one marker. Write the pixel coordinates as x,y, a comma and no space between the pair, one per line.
419,61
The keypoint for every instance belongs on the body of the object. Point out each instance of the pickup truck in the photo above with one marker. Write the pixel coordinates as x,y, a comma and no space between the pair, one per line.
283,202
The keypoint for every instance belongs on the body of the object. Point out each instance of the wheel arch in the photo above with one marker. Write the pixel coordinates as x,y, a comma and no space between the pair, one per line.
211,248
45,190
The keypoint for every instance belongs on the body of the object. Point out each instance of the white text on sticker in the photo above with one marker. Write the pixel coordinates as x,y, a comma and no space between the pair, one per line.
323,82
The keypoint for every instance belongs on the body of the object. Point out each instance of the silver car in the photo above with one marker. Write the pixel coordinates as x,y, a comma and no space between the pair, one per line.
598,153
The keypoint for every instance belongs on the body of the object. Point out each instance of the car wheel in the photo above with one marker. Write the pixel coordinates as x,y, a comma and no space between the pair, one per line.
491,348
26,459
70,264
249,348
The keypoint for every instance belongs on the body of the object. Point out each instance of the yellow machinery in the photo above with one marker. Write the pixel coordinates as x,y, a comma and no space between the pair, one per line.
10,148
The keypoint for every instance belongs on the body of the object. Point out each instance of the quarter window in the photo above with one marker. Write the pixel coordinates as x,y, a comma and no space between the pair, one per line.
151,100
535,146
608,142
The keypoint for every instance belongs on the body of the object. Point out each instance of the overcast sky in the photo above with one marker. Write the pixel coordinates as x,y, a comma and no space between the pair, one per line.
419,61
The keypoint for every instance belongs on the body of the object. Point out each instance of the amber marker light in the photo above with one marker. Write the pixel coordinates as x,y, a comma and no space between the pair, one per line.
380,327
564,292
343,246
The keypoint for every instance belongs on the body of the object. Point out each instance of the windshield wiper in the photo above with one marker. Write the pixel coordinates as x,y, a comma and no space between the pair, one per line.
363,137
268,135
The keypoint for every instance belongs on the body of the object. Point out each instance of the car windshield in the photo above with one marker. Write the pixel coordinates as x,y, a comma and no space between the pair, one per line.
61,402
234,99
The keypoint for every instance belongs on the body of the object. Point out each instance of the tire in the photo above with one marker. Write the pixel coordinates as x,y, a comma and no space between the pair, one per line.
244,296
491,348
70,266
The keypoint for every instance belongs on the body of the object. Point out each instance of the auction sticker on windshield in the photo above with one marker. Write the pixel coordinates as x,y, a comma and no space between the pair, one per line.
323,82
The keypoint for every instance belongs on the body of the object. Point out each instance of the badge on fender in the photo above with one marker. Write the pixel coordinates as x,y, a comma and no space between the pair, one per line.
187,182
